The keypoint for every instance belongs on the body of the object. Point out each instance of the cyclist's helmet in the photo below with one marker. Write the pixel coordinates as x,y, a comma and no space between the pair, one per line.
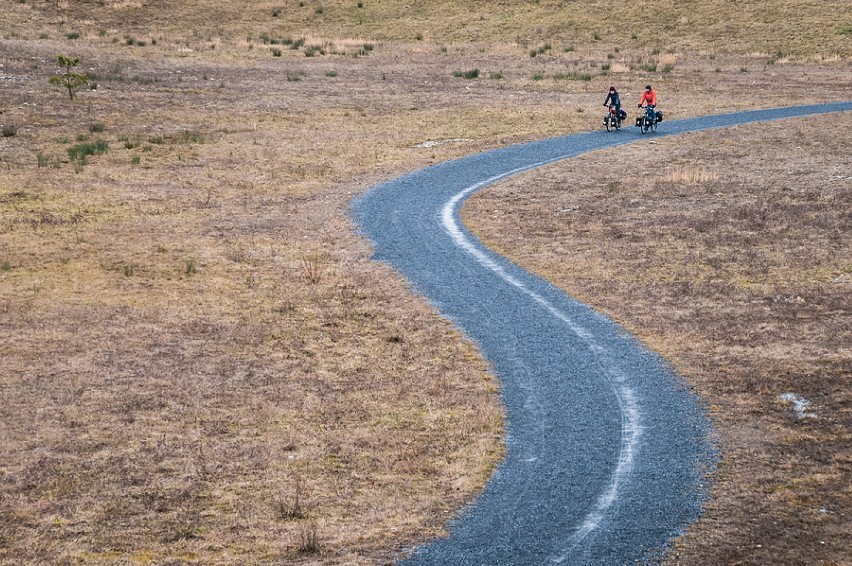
647,87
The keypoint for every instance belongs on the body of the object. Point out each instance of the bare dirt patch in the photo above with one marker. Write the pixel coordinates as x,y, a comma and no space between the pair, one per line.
728,252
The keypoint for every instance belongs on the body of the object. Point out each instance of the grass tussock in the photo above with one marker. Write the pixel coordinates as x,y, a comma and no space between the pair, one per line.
688,175
471,74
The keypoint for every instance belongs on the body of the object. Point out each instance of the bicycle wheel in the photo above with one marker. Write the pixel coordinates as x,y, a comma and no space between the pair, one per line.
644,126
608,124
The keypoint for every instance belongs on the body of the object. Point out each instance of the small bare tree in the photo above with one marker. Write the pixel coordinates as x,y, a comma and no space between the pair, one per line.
69,78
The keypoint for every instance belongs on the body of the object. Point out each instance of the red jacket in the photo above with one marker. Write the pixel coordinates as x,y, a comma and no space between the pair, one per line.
649,96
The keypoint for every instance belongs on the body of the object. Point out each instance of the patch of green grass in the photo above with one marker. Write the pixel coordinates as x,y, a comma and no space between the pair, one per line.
145,80
314,50
495,75
73,35
573,76
81,151
845,30
471,74
9,131
331,74
5,266
541,50
190,136
96,127
112,76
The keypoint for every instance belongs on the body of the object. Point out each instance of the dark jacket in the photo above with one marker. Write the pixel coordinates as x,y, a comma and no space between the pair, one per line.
614,98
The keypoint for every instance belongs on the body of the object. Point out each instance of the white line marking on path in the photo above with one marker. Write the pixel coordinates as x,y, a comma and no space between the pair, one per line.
631,427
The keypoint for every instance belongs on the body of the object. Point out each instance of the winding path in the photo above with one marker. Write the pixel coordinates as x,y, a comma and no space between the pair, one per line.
606,448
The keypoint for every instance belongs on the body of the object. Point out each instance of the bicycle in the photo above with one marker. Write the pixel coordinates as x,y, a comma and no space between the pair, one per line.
612,121
648,121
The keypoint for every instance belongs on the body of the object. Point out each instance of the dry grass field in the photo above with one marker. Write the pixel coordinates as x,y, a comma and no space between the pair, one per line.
199,363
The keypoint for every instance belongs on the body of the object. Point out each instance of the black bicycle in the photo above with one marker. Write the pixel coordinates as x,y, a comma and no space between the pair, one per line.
648,121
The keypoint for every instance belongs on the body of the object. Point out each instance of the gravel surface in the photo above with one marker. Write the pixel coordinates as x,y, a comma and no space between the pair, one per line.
607,449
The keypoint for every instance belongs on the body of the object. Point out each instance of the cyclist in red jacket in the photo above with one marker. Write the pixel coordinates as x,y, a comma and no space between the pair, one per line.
649,96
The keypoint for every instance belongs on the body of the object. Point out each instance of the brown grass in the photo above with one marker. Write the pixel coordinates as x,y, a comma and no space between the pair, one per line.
200,363
781,28
733,263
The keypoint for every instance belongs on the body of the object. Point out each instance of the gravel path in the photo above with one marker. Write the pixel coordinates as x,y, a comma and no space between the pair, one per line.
607,449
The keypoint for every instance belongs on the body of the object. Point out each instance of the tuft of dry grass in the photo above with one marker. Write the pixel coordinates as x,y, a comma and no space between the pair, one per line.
687,175
734,264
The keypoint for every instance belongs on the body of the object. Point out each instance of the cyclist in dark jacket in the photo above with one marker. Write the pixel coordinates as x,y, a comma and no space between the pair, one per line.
613,98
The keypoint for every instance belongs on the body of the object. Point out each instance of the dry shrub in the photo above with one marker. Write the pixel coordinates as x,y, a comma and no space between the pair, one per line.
309,538
291,506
